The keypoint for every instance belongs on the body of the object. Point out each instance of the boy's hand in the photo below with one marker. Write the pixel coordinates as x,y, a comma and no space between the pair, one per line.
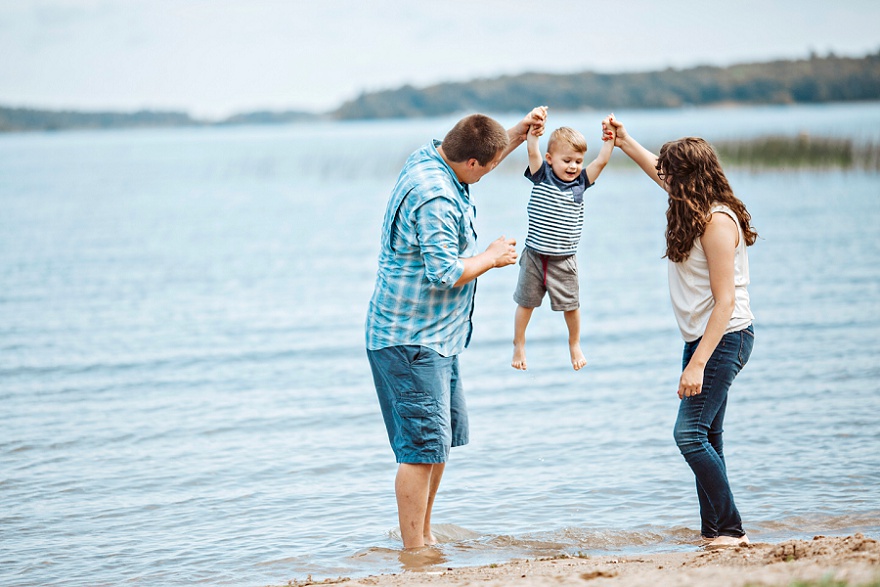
616,129
539,113
609,133
532,137
533,123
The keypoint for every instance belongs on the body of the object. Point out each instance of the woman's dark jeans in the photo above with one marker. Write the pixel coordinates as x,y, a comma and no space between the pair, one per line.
699,427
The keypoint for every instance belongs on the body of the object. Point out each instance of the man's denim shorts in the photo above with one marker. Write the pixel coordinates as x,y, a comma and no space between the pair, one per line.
422,402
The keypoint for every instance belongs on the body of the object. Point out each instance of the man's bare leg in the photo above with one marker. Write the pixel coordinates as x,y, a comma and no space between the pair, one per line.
436,475
411,488
520,322
416,486
573,321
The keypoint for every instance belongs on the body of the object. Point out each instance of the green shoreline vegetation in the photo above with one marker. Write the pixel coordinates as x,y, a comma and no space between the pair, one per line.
790,153
815,80
800,152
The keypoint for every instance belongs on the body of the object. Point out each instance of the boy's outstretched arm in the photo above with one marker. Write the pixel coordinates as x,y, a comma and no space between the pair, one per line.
601,160
535,158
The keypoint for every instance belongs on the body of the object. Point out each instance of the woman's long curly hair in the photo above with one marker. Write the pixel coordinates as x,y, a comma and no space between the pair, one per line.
695,181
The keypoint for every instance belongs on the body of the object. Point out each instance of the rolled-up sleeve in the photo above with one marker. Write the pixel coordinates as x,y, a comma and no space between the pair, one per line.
438,223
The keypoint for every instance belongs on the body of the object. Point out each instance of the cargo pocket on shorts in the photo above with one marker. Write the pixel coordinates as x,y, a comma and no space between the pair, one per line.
418,419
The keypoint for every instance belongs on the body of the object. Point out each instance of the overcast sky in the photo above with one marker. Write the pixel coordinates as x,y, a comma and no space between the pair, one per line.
212,58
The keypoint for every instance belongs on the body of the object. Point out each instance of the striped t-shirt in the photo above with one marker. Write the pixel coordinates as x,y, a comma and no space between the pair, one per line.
556,212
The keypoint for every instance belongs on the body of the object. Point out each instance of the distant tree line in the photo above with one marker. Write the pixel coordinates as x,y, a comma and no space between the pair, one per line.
817,79
27,119
812,80
20,119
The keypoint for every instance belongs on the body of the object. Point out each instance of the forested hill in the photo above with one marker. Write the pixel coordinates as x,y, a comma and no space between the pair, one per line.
813,80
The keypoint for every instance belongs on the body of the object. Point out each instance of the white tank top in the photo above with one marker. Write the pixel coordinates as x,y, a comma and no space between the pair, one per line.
691,294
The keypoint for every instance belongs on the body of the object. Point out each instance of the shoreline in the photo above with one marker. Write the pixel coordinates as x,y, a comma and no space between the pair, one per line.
824,561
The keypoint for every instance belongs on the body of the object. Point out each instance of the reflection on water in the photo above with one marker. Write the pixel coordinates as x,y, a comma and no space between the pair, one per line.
421,559
426,558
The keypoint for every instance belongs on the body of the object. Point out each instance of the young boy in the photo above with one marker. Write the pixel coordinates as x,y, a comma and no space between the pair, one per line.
556,216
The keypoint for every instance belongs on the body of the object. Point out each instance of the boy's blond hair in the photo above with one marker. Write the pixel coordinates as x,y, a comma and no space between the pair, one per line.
567,136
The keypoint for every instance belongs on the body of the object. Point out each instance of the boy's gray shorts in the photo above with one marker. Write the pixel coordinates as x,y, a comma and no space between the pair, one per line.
556,276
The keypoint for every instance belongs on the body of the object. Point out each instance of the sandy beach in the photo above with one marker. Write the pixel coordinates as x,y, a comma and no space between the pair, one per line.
852,561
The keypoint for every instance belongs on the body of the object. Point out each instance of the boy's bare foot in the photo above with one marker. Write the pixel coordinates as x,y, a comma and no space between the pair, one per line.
578,361
519,357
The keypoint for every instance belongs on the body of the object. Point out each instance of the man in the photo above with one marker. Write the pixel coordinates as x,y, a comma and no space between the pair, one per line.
419,318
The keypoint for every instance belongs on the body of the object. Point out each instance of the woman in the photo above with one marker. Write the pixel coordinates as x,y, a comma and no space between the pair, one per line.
707,233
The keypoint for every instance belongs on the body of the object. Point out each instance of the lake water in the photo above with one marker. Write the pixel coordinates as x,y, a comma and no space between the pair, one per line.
186,398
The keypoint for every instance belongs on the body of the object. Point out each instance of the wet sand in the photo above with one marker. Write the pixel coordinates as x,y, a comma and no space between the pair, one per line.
823,561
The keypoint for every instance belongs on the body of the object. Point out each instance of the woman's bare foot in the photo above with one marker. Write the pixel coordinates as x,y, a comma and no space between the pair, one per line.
519,357
578,361
430,540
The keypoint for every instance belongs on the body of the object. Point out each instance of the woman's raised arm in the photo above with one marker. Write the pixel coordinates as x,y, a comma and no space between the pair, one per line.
642,156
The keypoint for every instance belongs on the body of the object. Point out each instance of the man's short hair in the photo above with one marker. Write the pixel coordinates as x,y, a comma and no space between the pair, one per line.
475,137
567,136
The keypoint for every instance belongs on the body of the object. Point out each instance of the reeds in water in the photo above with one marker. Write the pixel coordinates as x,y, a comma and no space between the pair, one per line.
799,152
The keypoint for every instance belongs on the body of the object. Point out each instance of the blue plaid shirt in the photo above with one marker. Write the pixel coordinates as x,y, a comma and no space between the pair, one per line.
428,228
